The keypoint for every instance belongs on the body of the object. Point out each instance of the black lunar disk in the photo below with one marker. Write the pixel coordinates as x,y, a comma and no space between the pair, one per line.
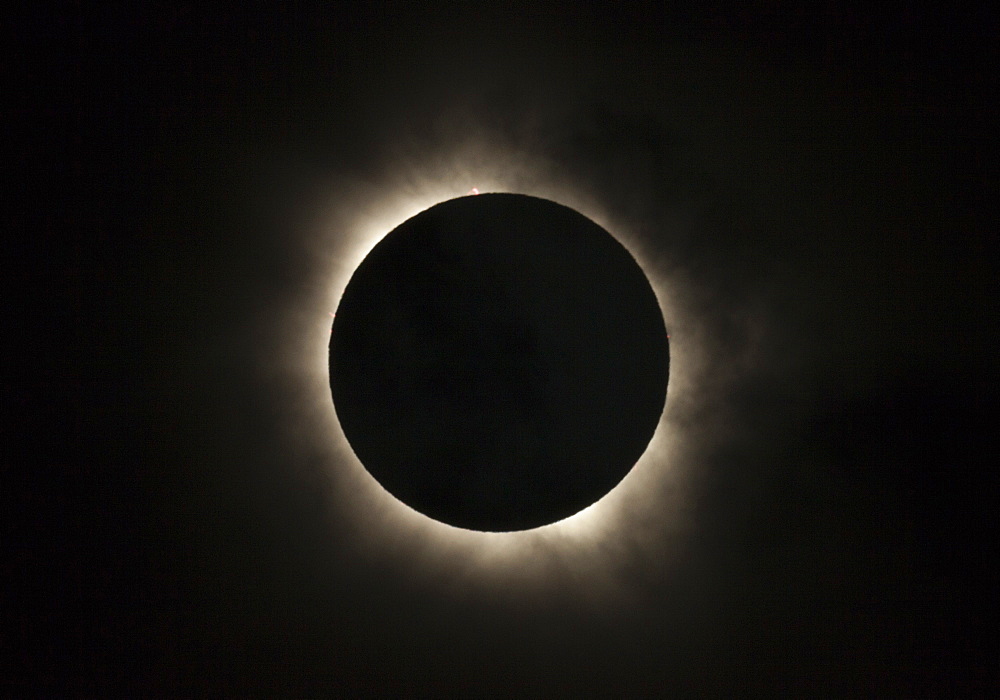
499,362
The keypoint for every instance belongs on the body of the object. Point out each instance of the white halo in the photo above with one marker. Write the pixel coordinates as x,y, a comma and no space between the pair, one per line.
343,231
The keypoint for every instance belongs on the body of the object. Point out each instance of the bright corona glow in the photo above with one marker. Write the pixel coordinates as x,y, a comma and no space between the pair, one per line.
590,544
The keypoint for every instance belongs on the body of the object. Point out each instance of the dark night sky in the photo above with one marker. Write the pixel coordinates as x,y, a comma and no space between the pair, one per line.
806,188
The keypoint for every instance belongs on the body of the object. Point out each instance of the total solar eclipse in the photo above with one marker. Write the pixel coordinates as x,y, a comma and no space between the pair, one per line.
499,362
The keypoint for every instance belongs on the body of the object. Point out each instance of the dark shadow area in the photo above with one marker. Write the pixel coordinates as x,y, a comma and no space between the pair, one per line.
499,362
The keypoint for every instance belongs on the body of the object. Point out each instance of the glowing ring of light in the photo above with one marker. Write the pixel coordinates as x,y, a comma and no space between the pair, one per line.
344,231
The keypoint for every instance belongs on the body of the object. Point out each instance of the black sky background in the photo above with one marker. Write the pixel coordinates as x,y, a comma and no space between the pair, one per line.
816,182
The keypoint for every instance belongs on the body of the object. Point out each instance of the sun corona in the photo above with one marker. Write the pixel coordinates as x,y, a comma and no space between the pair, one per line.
344,229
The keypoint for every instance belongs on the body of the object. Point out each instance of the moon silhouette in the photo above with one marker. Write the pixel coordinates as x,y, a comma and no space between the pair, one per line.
499,362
